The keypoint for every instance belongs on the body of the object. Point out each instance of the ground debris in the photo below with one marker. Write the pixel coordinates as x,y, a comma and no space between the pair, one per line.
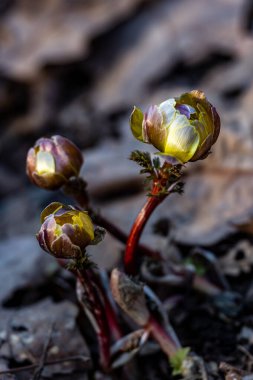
26,331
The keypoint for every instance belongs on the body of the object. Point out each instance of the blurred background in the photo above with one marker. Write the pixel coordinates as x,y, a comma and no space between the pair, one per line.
77,67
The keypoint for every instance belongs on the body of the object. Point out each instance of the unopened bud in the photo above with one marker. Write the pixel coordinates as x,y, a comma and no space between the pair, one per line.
52,161
65,232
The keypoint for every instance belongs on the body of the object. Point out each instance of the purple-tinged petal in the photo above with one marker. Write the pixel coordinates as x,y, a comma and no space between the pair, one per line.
70,157
153,131
76,235
46,234
216,122
185,109
62,247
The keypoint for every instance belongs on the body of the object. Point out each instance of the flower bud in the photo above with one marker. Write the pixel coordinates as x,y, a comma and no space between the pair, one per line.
52,161
65,232
183,128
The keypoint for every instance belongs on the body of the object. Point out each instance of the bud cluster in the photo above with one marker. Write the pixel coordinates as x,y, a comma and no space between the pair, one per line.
182,129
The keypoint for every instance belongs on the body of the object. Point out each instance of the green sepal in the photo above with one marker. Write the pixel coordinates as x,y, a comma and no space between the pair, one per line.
176,361
136,120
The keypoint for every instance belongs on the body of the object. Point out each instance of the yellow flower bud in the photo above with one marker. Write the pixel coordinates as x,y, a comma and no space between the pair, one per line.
65,232
183,128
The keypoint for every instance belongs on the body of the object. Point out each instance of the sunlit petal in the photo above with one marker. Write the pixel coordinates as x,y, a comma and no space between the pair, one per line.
45,163
136,120
183,139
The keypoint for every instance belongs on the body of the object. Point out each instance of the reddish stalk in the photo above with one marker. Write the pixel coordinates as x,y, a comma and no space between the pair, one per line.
86,278
169,345
90,284
133,240
109,311
122,236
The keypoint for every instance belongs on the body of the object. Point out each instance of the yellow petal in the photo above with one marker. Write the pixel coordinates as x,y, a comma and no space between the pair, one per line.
50,209
86,224
183,139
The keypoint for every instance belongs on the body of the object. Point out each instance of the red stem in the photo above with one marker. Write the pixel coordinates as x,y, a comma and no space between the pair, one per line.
169,345
133,240
122,236
92,285
86,278
109,311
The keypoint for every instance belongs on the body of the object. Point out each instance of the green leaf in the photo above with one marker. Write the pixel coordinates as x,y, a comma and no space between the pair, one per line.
199,268
136,120
142,158
176,361
156,162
